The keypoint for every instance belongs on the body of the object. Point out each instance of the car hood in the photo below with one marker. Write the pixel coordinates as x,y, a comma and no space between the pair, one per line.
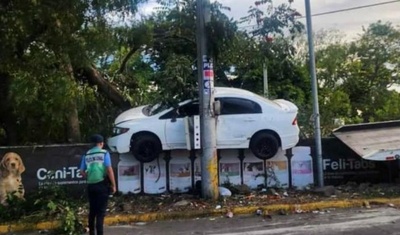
131,114
286,105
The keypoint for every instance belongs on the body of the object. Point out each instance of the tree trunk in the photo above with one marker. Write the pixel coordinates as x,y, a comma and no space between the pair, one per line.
126,59
94,77
8,120
73,128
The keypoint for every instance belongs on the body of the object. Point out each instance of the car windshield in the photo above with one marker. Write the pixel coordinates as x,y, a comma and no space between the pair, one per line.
151,110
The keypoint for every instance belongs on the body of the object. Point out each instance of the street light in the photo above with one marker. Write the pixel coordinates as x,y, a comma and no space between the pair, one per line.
314,85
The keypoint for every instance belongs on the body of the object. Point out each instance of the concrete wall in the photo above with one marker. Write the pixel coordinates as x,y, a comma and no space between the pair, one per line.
177,171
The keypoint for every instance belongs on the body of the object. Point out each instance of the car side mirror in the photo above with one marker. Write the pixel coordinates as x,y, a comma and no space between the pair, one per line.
173,119
174,115
217,107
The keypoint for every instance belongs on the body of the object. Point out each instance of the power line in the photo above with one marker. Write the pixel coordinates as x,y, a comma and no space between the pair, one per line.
353,8
341,10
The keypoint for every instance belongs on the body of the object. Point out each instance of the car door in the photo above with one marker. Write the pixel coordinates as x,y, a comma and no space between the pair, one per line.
175,124
237,122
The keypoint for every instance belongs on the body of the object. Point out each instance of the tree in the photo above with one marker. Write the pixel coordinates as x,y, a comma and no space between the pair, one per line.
67,69
176,71
270,44
373,69
354,77
45,45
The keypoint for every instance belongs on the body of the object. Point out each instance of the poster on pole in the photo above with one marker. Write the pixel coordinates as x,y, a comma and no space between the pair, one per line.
208,75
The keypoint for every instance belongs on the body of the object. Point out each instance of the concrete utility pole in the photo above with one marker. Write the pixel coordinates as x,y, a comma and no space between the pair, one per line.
209,159
265,80
317,127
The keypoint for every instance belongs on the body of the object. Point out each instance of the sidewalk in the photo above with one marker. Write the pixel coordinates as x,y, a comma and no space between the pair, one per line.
237,210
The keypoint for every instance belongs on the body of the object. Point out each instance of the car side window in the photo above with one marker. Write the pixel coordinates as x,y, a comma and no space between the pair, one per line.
230,106
189,109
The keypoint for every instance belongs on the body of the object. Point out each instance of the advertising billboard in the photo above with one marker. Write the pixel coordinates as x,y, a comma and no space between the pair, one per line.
33,167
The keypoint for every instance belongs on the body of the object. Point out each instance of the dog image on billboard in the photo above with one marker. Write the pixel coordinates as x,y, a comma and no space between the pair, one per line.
11,168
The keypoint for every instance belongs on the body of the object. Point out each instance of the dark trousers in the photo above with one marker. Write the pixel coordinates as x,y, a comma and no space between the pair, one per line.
98,198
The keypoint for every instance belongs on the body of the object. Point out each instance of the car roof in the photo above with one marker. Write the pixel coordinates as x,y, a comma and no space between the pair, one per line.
237,92
227,91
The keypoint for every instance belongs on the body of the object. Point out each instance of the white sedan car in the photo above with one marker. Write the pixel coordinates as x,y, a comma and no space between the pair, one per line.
246,120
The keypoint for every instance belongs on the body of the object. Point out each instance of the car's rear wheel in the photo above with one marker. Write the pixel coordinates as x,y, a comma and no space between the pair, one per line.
264,145
145,147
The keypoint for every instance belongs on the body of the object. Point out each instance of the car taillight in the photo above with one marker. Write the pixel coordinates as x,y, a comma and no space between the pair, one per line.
294,123
119,130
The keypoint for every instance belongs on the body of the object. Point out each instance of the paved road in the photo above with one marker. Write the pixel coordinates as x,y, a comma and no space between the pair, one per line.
376,221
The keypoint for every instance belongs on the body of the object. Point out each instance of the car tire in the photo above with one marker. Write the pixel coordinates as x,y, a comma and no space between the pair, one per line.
145,147
264,145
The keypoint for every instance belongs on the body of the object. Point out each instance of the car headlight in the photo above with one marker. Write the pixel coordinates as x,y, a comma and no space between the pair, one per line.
119,130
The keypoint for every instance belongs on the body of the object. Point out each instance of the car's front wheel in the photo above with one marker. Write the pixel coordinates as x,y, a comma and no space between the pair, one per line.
264,145
145,147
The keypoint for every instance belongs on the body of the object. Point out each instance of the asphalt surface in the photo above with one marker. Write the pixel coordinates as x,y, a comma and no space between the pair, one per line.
375,221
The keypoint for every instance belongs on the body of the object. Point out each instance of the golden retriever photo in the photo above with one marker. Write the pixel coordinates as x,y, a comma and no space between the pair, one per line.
11,168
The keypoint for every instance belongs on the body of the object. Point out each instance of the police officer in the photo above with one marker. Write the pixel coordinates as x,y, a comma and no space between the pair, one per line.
96,168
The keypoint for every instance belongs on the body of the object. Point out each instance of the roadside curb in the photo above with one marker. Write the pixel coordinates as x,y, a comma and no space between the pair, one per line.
148,217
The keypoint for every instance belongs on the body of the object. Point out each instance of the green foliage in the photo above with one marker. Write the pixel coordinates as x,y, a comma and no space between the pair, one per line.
13,209
149,60
36,97
274,20
177,76
47,47
354,77
335,108
50,203
390,110
44,45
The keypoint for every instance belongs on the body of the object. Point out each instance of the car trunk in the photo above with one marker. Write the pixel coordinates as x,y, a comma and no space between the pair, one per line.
286,105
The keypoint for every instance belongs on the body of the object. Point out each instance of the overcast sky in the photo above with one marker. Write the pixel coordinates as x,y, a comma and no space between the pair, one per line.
349,22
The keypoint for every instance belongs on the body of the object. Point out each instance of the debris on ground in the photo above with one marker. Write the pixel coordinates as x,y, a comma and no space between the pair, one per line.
224,192
140,223
244,196
321,212
283,212
182,203
241,189
297,209
326,191
266,215
229,214
366,204
273,192
259,212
